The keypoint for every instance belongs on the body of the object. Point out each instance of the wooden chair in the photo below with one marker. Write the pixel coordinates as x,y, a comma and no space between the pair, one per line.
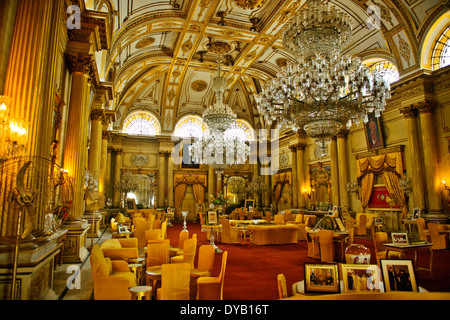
282,286
211,288
360,227
313,246
175,279
205,264
327,251
424,233
189,252
440,241
380,238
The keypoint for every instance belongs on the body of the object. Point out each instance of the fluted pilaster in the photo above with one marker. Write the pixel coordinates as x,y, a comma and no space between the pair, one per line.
410,114
430,156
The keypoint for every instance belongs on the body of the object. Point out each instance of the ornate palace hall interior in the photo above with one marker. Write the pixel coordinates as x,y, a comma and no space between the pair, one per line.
224,149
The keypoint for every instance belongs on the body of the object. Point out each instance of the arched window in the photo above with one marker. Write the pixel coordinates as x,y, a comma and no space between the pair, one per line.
441,52
387,69
190,127
141,123
242,130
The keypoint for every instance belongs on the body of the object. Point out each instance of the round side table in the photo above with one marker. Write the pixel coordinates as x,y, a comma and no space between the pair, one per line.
213,228
136,268
141,293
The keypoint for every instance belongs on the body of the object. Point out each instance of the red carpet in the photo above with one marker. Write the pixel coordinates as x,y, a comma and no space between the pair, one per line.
251,272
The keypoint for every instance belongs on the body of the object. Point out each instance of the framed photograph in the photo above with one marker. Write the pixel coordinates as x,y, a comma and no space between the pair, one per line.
312,207
416,213
249,203
212,217
399,237
169,210
374,135
398,275
322,278
122,229
200,207
378,220
339,224
360,278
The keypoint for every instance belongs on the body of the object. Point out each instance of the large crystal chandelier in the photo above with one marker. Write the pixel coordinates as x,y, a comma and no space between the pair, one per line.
323,91
218,149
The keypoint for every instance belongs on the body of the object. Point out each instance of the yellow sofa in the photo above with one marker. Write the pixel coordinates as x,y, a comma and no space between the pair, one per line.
120,249
111,278
273,234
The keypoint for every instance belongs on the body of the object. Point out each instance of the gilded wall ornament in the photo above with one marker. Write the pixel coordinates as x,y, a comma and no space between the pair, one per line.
199,85
249,4
144,43
139,160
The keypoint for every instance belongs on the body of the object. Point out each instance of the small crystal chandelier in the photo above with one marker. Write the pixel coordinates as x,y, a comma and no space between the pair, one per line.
323,91
218,149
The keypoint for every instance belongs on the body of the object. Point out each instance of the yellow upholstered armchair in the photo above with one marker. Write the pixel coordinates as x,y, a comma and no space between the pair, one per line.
211,288
279,219
111,279
229,234
120,249
205,264
141,225
424,233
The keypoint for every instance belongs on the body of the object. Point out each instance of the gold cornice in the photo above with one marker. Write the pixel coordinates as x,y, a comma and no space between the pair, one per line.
378,152
409,112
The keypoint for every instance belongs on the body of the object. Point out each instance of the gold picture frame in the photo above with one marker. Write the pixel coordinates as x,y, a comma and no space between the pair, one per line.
398,275
374,135
323,277
360,278
212,217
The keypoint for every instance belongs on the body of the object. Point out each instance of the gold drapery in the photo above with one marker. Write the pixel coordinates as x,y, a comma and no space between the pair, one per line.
390,166
279,180
378,164
367,189
198,182
392,183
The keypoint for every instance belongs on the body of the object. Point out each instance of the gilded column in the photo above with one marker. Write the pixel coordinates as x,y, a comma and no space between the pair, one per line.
211,182
410,114
95,150
430,157
294,177
8,11
170,195
343,171
75,149
161,179
102,186
301,175
117,177
108,187
334,172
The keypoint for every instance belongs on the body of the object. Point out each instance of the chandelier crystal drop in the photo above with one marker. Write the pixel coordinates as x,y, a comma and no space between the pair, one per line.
323,91
218,149
317,28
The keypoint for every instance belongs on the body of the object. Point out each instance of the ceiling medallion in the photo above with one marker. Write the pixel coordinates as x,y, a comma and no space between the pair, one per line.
199,85
144,43
218,47
249,4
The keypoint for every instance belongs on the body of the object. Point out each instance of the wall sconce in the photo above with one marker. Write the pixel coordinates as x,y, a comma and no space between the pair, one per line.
353,187
406,184
445,186
307,192
13,132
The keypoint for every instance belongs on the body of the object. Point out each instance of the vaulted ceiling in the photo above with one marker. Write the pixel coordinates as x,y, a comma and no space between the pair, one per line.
159,60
